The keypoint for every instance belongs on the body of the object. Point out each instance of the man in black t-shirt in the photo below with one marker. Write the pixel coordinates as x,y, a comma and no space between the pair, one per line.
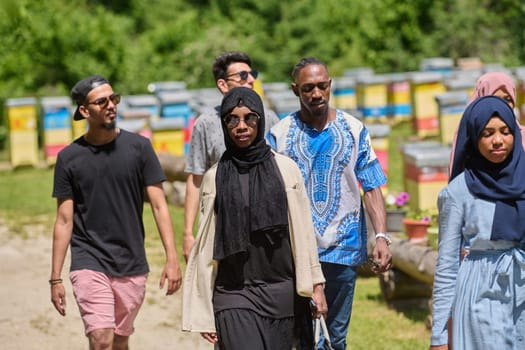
100,184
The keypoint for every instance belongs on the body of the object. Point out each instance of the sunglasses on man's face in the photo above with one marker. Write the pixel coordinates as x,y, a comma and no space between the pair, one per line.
250,119
243,75
104,101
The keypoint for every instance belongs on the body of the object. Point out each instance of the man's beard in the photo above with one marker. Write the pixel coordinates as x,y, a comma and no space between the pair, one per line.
110,126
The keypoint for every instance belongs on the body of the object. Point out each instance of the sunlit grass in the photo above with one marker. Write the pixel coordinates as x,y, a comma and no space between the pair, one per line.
375,326
154,249
26,205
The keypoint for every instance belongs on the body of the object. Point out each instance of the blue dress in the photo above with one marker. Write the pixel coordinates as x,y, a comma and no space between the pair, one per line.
485,293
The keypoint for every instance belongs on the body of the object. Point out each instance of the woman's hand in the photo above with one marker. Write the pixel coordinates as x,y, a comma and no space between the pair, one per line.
319,300
210,336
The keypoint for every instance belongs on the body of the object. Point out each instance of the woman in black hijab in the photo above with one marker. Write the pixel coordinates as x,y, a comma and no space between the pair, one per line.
260,262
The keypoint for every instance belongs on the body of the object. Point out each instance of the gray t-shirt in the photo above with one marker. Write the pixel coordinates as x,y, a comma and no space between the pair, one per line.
207,140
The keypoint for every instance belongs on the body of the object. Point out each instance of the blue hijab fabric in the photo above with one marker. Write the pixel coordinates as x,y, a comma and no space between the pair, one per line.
501,183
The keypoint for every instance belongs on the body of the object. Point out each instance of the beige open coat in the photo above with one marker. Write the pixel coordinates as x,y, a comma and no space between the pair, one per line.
201,270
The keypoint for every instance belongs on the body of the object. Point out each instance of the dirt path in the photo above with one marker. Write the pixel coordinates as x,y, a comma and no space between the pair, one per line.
28,320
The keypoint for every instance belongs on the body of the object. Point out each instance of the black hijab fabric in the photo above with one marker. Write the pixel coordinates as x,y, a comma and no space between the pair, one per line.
502,183
267,209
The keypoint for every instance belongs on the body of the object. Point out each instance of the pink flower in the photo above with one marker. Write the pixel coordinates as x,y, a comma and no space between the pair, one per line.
402,199
398,201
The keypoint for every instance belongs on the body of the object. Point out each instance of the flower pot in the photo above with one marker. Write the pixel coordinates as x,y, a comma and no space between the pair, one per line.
416,230
394,220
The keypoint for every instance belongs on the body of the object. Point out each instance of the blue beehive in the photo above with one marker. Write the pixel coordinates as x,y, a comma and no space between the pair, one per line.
175,104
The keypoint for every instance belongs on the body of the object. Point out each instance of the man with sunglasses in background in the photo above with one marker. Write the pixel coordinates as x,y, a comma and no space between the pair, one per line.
231,69
333,150
101,182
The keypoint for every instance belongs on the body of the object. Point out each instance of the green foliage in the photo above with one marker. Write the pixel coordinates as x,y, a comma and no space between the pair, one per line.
492,30
48,45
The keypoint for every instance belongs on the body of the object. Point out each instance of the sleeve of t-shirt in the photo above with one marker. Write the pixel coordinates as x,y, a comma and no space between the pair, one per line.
196,157
271,119
153,173
61,181
368,169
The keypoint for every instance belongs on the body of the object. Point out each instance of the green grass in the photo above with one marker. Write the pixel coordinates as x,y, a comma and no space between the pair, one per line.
375,326
27,190
154,249
25,200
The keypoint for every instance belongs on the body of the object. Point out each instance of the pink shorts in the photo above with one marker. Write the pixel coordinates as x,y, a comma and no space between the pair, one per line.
108,302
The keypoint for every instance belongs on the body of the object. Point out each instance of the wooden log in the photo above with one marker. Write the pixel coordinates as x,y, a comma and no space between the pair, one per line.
396,285
175,192
412,275
173,166
415,260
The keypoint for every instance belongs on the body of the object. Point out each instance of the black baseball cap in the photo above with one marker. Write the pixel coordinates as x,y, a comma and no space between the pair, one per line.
82,88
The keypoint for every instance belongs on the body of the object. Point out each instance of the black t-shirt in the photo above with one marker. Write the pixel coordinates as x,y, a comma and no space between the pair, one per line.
107,185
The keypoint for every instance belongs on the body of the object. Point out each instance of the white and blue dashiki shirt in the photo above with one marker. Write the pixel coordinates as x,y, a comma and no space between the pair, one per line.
336,164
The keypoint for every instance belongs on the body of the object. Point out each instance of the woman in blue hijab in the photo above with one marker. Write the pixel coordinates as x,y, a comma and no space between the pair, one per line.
481,299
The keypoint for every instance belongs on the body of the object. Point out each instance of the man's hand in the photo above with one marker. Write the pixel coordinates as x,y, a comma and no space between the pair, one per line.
382,256
58,298
173,274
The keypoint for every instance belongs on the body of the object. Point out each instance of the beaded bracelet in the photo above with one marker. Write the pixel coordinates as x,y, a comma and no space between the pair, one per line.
55,281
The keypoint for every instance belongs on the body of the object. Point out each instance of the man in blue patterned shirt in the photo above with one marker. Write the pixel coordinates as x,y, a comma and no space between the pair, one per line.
333,150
